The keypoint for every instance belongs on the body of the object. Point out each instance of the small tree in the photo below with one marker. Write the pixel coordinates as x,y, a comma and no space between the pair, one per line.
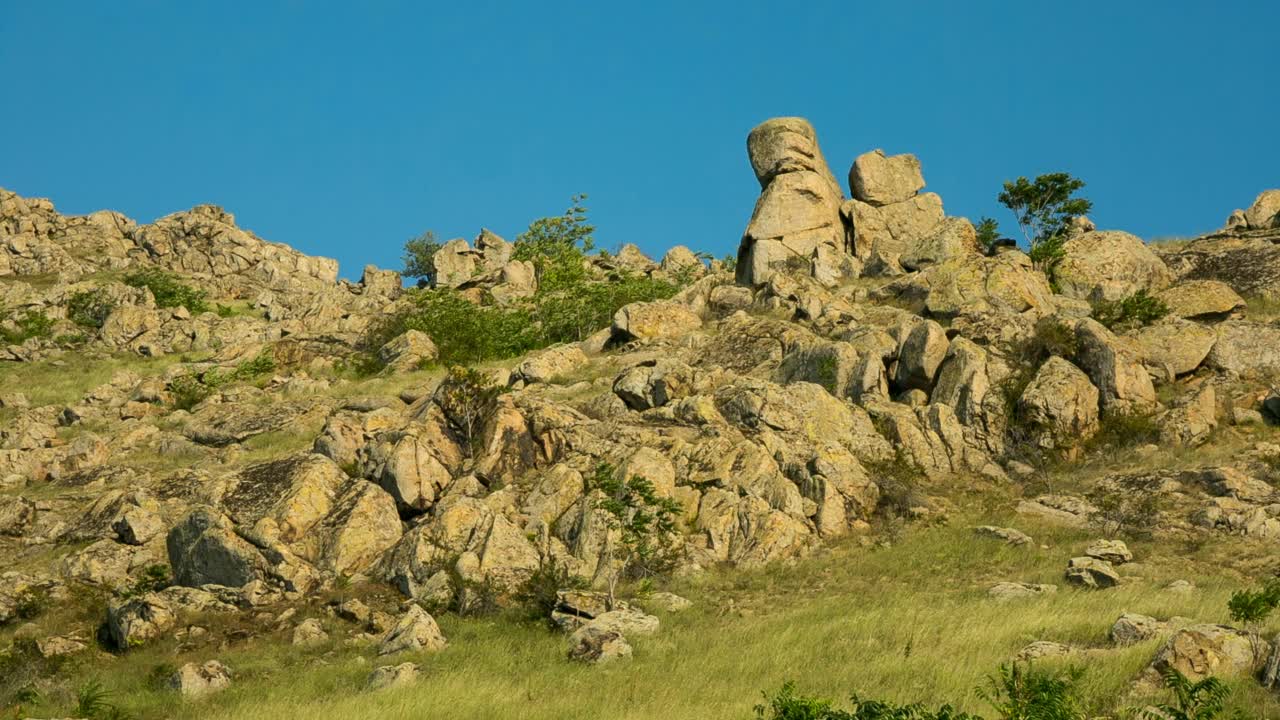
643,521
419,257
1026,693
469,398
1042,208
988,231
558,246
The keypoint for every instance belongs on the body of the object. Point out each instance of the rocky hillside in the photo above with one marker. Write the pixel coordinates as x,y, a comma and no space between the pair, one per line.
192,458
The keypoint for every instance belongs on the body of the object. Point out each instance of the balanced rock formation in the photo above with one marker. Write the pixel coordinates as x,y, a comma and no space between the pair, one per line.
796,222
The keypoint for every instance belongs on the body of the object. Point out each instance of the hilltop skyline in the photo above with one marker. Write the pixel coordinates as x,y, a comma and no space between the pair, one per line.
343,132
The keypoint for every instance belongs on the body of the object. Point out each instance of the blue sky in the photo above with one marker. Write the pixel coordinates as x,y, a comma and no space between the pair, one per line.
343,129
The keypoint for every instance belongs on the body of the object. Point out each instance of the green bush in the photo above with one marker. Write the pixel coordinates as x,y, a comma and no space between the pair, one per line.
539,593
1127,505
89,308
1201,700
191,389
1137,310
168,290
30,324
568,305
1016,692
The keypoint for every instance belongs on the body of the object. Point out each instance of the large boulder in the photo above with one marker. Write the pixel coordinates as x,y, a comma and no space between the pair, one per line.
1115,367
798,212
952,238
1060,405
1174,347
921,354
408,351
192,680
1201,651
1201,299
651,320
204,549
1264,213
887,232
880,179
1109,265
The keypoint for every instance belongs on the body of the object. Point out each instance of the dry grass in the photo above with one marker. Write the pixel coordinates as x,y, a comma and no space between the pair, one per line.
906,622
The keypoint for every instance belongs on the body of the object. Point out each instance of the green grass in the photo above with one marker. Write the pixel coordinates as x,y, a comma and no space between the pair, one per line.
907,622
69,376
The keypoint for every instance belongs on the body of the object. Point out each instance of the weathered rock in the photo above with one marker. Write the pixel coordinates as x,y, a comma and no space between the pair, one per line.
415,631
392,676
879,179
192,680
408,351
1109,265
799,207
1245,348
654,384
1190,421
1201,299
922,352
952,238
680,261
1091,573
1060,405
1006,591
1131,628
883,234
309,633
205,550
650,320
132,622
1112,551
1008,535
1115,368
1265,211
1201,651
1174,348
551,364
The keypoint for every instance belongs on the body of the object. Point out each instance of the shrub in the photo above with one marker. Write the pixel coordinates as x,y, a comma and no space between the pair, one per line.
468,399
567,306
646,524
1019,692
191,389
539,592
154,578
899,482
89,308
167,290
419,257
988,231
30,324
1124,430
786,704
1251,607
93,703
1126,505
1137,310
1202,700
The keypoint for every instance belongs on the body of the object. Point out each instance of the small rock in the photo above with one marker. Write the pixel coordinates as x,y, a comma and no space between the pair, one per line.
192,680
309,633
1042,649
670,602
415,630
598,645
1006,591
1132,628
1091,573
1180,587
1112,551
1009,535
391,676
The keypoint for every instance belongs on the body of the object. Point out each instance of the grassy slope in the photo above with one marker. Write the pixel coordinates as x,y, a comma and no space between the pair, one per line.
908,622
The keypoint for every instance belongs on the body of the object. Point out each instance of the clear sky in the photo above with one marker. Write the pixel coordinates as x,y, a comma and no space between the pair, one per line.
343,129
